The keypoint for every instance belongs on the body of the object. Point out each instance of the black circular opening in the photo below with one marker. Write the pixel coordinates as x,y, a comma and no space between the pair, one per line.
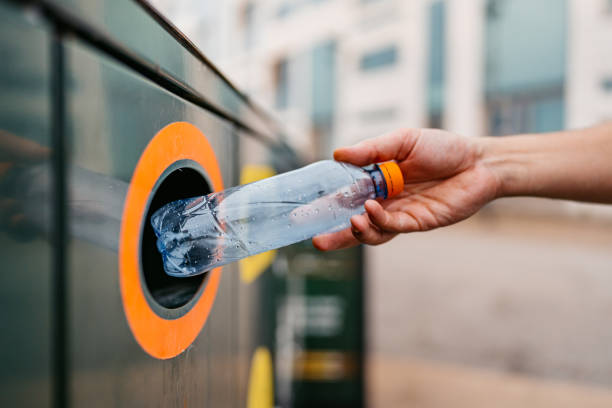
181,180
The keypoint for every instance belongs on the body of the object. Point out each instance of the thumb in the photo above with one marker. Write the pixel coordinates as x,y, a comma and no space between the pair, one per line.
393,146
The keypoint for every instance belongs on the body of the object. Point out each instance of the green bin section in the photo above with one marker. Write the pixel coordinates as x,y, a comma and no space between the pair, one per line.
321,298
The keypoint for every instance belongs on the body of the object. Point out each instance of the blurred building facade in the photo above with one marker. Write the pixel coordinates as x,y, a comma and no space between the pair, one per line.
345,70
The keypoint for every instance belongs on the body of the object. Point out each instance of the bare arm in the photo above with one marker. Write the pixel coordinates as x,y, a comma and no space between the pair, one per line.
449,177
575,165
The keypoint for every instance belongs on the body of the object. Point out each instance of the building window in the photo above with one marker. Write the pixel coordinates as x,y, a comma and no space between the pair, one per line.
437,45
323,94
284,9
381,58
525,97
247,20
281,83
492,9
378,115
288,7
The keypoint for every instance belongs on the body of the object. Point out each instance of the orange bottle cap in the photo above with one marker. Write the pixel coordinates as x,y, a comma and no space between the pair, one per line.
393,177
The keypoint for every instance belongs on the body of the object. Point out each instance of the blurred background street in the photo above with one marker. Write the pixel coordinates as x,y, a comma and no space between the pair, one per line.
510,308
527,297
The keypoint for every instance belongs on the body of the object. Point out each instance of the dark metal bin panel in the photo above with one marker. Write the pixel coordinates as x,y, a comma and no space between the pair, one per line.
26,212
139,30
112,115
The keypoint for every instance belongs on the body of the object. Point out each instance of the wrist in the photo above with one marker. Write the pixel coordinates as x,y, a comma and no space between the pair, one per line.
507,163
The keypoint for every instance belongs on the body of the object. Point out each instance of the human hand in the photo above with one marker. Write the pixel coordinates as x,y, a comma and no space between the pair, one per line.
446,181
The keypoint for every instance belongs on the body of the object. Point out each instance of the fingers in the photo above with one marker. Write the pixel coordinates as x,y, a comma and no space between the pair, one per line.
335,240
361,231
390,221
373,228
366,232
393,146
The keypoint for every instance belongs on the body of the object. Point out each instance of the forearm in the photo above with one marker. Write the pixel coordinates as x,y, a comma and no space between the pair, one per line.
575,165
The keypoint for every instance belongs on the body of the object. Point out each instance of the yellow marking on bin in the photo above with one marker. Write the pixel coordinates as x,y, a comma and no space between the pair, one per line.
261,380
324,365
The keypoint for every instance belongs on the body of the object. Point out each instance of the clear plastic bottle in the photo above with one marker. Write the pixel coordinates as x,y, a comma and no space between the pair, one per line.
201,233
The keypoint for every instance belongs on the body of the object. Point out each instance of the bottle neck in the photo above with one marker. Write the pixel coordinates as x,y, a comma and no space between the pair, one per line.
380,186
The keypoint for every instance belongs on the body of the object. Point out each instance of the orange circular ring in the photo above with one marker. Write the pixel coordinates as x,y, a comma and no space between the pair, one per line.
162,338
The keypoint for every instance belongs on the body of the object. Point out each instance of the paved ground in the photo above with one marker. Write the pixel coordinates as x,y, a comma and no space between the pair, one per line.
512,303
405,382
